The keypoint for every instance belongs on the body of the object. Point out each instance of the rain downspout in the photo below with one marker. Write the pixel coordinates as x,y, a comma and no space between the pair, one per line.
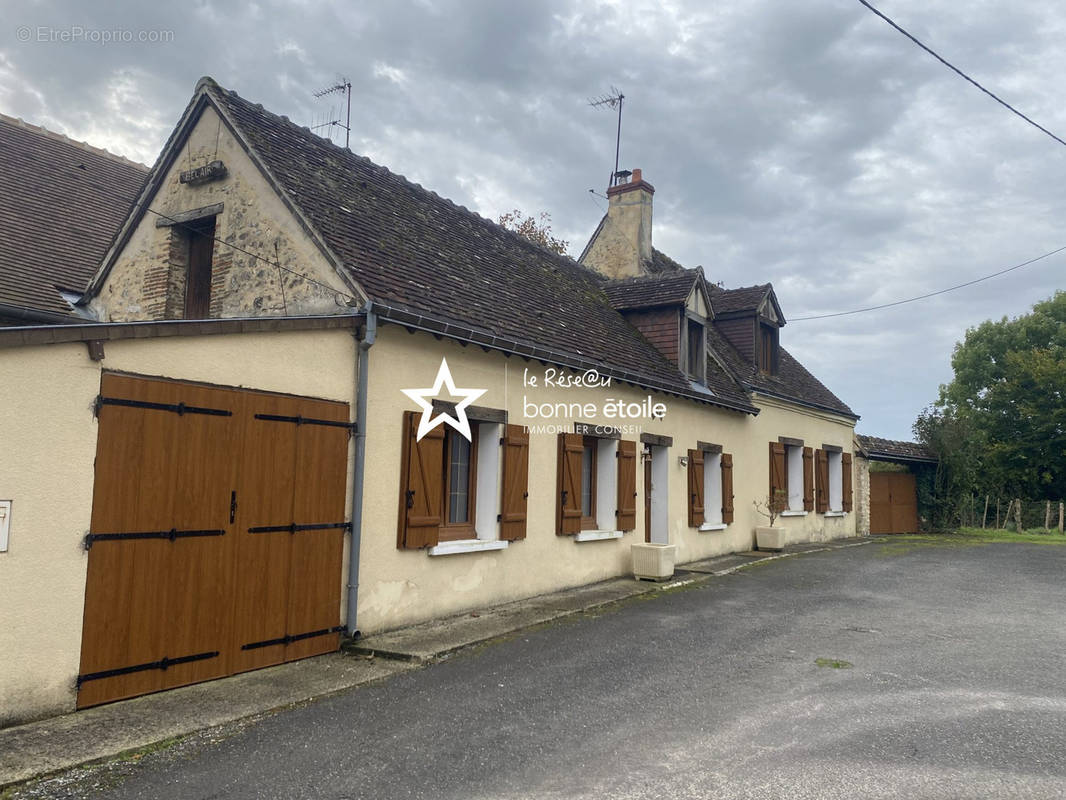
362,369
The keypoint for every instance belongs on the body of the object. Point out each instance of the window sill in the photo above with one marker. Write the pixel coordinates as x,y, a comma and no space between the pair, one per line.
791,513
836,513
720,526
467,546
597,536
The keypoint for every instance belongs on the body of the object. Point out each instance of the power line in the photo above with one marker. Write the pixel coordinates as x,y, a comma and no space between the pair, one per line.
932,294
962,74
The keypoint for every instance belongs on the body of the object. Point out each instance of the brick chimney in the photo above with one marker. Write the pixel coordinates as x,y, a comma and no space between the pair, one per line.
621,246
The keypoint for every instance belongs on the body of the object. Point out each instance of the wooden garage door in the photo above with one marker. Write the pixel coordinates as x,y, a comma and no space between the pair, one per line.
216,538
893,503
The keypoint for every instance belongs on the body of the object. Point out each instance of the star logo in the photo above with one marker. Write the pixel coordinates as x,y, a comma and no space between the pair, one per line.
424,398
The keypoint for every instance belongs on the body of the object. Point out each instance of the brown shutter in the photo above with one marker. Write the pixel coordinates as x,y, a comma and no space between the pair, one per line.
422,473
695,488
821,469
778,477
808,479
845,464
568,500
626,513
727,488
515,483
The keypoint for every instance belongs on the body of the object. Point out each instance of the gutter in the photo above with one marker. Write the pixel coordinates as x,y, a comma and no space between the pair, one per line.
38,317
359,468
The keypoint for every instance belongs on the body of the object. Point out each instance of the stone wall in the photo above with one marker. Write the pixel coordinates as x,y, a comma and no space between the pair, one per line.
255,233
861,494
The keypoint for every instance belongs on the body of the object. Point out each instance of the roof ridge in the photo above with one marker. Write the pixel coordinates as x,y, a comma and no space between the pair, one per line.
347,152
61,137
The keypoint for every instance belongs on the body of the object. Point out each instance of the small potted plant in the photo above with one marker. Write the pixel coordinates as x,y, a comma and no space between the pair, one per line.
769,537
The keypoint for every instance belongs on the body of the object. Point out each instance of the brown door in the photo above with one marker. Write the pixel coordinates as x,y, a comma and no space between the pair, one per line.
176,584
893,503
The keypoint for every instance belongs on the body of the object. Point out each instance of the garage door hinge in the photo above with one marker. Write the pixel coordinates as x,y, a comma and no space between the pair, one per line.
170,535
298,420
177,408
163,664
293,527
287,639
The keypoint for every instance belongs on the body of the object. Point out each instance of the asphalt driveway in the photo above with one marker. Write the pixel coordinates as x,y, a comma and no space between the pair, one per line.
899,669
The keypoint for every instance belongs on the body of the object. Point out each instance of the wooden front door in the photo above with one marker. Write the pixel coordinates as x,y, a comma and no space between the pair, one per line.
893,503
216,537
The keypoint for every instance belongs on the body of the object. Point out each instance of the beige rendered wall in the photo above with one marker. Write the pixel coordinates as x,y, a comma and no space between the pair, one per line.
779,418
398,587
49,440
253,218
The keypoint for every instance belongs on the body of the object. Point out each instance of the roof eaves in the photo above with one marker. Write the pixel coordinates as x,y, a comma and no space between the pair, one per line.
464,333
756,390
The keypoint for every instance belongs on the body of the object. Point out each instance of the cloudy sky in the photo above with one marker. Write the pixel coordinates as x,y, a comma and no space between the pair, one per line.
807,144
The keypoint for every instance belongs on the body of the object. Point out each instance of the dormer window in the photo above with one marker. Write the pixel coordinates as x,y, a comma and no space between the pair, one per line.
696,350
766,351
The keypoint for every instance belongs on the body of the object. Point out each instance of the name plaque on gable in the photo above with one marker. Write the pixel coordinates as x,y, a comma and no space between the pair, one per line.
214,171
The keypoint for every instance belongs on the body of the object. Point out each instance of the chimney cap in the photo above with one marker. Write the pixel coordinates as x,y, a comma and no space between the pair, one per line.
635,181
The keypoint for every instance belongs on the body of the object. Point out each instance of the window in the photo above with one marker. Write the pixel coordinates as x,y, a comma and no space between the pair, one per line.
200,234
833,471
461,485
696,350
767,349
459,495
597,485
588,483
710,478
791,476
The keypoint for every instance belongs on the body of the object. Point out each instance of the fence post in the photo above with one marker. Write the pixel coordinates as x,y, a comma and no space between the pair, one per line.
1047,516
984,516
1018,514
1060,516
1006,514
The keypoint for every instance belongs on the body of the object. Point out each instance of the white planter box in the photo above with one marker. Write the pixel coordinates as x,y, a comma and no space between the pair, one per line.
654,561
770,538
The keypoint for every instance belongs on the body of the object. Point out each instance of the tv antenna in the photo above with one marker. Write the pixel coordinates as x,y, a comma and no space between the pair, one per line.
342,86
612,100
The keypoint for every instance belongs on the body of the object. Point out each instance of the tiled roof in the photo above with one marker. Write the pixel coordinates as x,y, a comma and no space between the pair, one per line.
61,203
649,291
417,253
792,381
745,298
895,450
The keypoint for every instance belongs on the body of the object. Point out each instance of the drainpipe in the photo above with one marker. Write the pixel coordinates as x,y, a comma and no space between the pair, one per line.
362,369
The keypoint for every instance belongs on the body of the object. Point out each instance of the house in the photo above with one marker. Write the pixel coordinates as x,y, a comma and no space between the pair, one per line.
242,439
62,203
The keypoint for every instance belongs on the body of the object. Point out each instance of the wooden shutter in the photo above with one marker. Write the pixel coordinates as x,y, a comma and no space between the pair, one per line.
626,512
808,479
778,477
421,485
515,483
695,488
821,469
845,464
727,488
568,499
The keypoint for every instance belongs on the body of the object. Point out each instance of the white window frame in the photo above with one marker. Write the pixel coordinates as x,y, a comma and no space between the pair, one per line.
712,492
794,467
836,482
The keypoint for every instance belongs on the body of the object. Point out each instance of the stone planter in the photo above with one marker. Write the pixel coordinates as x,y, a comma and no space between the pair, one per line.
654,562
772,539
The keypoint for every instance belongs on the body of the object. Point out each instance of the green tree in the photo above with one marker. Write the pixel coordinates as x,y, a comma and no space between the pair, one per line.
536,230
1000,425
